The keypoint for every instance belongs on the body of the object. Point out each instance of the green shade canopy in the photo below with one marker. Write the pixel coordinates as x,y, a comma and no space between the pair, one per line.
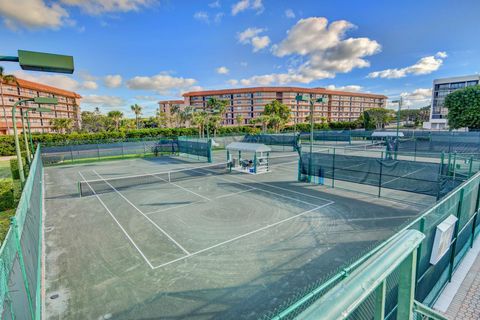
47,62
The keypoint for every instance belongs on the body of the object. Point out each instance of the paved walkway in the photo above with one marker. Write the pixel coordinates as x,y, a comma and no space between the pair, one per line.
461,297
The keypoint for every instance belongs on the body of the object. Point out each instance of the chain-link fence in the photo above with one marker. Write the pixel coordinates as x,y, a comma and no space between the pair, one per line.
20,253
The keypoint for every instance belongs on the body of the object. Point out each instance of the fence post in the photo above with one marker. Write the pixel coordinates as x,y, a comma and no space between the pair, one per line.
415,149
470,167
123,151
98,151
22,265
333,169
380,294
475,217
453,245
406,286
419,250
380,176
71,152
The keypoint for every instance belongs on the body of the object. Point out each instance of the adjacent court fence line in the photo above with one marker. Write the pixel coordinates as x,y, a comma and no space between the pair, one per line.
20,253
436,178
463,203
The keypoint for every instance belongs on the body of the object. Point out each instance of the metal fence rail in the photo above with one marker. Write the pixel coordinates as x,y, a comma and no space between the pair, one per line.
20,253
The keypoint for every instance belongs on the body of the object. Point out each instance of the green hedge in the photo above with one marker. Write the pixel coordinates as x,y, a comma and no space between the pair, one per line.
7,197
7,144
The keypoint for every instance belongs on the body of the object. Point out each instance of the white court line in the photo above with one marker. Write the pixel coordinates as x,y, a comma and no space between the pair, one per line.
263,190
143,214
174,207
234,193
118,223
280,188
382,218
178,186
402,176
241,236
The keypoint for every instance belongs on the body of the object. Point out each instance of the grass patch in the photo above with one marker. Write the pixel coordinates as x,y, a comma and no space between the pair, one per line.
5,171
5,222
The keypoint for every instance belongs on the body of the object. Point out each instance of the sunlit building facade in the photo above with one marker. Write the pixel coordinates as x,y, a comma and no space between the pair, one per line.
68,106
245,104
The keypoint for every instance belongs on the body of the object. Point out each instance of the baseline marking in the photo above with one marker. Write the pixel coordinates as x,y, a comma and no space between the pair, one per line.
241,236
402,176
280,188
118,223
234,193
143,214
183,188
174,207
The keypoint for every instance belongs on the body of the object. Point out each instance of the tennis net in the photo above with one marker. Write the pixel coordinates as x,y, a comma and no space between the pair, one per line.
99,186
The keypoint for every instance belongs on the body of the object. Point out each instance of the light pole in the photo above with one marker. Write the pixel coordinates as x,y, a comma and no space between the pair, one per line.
37,100
36,61
400,102
312,101
37,109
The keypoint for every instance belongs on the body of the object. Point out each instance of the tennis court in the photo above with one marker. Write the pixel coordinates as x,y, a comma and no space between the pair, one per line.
172,238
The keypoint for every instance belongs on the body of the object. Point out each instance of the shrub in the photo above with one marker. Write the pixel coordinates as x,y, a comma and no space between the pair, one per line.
7,198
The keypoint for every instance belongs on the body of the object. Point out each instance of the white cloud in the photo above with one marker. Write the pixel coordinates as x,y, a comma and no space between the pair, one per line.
54,15
214,4
113,81
96,7
222,70
289,14
202,16
259,43
32,14
232,82
251,36
57,80
321,48
350,88
425,65
161,83
102,101
89,85
243,5
417,98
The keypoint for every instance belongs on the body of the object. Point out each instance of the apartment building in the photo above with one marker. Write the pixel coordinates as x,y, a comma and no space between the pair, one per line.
249,103
68,106
167,105
441,88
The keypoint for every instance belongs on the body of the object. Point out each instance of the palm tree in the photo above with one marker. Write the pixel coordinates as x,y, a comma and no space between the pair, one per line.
217,108
162,118
186,116
137,109
116,116
62,125
6,78
239,119
175,114
200,119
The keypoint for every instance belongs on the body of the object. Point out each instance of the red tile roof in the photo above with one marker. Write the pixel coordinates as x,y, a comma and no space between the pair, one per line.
281,89
171,101
42,87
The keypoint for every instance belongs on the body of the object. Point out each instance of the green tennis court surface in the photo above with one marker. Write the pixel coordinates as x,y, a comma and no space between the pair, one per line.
208,245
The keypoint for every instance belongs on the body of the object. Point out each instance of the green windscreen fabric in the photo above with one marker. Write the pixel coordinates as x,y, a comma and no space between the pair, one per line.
281,139
411,176
200,147
21,251
73,153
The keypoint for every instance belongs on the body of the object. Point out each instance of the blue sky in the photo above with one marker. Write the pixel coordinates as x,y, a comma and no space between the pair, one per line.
141,51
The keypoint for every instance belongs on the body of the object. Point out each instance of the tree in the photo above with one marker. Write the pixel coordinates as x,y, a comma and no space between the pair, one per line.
365,121
175,115
200,120
278,113
239,119
215,109
116,116
162,118
186,116
6,78
464,108
137,109
379,116
62,125
263,120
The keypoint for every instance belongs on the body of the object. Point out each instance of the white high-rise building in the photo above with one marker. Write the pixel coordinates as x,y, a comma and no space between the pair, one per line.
441,88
